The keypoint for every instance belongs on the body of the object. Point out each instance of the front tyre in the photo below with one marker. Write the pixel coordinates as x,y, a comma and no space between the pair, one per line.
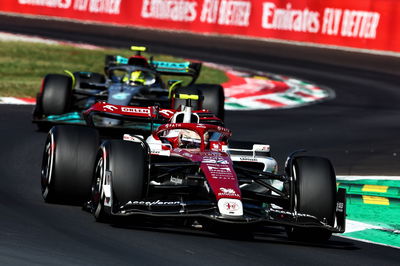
315,189
121,175
56,94
67,165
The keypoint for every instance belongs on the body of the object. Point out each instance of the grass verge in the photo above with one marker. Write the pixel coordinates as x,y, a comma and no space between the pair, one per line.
24,64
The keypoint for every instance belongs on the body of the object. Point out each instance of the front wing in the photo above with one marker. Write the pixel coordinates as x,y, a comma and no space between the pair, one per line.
253,214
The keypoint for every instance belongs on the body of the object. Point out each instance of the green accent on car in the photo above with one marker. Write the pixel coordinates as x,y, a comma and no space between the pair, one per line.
172,87
121,60
138,48
180,67
187,96
72,76
73,117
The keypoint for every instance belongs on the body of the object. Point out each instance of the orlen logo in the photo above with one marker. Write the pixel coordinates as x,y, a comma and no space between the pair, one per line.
135,110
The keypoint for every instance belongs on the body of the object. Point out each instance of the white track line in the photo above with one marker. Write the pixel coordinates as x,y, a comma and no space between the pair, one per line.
367,241
366,177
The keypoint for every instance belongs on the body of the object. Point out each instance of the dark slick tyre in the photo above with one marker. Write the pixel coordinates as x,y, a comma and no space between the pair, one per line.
56,94
315,188
127,165
68,163
214,98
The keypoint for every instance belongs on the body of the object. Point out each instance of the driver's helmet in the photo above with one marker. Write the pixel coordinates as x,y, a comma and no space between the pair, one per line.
185,138
188,139
139,77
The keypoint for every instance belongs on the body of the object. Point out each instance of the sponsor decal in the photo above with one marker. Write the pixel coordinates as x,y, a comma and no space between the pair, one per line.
219,169
154,203
174,65
91,6
220,172
332,21
128,137
47,3
174,10
99,6
357,24
361,24
176,180
339,206
249,159
288,18
231,206
167,113
229,192
215,146
226,12
292,213
111,108
217,160
175,125
222,129
186,154
261,147
135,110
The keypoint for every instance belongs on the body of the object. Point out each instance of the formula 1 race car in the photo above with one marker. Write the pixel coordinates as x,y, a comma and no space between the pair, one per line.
134,81
186,170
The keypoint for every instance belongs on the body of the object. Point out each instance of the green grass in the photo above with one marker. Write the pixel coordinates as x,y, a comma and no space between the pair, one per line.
24,64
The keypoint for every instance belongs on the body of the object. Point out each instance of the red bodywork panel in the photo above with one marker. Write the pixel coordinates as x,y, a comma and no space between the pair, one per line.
214,163
149,112
218,169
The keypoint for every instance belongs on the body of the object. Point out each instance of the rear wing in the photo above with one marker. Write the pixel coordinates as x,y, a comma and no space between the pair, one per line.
189,68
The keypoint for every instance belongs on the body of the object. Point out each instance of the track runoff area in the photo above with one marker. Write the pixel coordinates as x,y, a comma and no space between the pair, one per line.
373,202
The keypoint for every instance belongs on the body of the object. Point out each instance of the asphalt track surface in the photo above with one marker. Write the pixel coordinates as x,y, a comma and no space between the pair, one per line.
358,131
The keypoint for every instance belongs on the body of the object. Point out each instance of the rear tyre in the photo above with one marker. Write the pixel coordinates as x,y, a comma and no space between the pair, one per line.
315,188
214,98
186,90
68,162
56,94
127,165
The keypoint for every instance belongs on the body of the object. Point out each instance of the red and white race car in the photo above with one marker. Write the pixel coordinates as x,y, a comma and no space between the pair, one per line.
185,169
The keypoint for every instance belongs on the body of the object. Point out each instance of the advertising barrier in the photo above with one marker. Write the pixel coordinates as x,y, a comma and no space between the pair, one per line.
364,24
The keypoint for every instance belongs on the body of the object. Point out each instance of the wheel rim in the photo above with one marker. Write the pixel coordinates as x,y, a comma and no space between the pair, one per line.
295,190
47,166
97,187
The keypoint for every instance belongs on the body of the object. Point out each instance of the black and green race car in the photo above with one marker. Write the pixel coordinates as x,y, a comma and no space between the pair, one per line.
135,81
